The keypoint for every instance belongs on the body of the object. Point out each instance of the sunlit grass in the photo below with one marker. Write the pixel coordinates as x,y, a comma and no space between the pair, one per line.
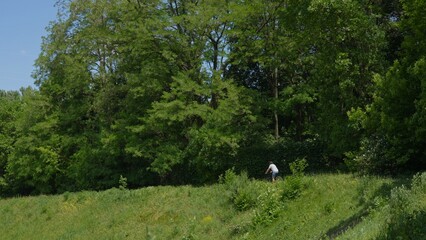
331,205
162,212
325,208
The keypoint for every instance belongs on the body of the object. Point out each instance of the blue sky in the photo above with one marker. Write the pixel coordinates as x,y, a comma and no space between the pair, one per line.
22,25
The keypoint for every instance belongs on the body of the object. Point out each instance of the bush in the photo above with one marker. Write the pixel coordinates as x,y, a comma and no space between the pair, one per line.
294,184
292,187
122,183
269,208
407,211
242,192
245,194
376,155
228,178
298,167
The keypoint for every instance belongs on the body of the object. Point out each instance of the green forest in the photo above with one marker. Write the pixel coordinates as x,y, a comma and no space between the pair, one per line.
168,92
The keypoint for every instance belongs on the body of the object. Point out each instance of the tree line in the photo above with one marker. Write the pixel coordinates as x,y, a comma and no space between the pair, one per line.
178,91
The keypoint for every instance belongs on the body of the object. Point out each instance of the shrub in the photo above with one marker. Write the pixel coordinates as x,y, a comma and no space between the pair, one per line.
242,192
122,183
245,198
294,184
298,167
269,208
228,178
419,183
292,187
376,155
3,186
245,194
407,211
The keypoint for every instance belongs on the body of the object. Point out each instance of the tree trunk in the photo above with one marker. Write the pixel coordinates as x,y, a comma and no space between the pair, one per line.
275,89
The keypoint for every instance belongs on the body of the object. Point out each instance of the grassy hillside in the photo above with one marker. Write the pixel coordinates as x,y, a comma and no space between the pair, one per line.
310,207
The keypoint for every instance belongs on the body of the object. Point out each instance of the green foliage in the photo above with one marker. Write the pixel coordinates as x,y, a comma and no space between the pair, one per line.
298,167
376,155
228,178
293,187
243,193
269,208
295,184
35,161
407,211
339,76
156,89
282,152
267,200
246,194
397,215
10,105
122,183
398,103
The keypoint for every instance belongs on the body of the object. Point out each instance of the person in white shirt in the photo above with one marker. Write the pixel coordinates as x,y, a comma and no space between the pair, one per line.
272,169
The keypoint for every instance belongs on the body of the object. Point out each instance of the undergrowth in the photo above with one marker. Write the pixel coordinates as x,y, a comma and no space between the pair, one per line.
265,198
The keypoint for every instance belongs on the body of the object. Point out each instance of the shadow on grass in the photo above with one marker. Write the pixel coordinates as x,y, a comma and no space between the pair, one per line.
383,192
344,225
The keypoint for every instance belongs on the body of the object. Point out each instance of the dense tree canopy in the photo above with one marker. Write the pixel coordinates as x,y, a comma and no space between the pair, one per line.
178,91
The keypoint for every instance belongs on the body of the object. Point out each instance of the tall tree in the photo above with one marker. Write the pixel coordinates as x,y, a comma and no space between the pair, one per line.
34,163
77,72
181,131
258,53
395,118
10,104
346,49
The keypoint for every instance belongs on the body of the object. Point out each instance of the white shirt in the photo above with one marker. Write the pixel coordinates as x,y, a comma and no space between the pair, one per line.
273,168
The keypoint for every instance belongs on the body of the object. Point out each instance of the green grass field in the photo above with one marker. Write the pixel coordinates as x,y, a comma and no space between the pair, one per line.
328,206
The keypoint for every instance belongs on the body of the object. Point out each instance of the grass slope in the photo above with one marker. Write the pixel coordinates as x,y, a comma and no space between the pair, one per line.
331,206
